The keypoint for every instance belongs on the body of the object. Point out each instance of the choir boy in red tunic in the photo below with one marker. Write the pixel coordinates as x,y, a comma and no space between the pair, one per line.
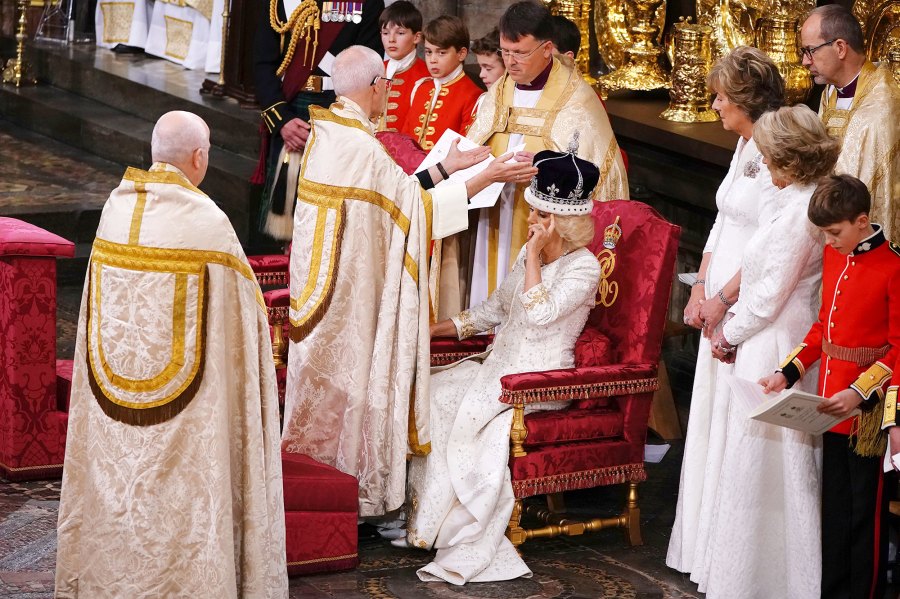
445,100
401,32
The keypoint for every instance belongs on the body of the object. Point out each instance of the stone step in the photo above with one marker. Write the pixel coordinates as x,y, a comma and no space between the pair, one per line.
125,139
145,87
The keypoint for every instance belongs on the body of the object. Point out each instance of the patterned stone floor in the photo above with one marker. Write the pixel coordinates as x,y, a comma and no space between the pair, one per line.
597,566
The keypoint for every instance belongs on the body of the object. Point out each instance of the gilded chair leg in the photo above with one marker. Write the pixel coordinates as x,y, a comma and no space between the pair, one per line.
278,344
556,503
514,532
518,432
632,517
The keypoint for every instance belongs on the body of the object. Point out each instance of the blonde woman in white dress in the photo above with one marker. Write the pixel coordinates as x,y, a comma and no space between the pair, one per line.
765,538
460,495
747,84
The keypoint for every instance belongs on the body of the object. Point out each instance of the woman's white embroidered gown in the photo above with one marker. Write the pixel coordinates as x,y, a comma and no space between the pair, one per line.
461,496
740,199
765,534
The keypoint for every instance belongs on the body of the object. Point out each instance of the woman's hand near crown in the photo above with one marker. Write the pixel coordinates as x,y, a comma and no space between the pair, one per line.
539,236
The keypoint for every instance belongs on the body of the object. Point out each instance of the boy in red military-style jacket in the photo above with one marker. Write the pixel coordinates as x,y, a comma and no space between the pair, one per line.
857,340
401,32
445,100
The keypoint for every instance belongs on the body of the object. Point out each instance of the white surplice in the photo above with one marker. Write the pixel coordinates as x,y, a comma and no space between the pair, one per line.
187,32
740,199
461,497
122,22
765,532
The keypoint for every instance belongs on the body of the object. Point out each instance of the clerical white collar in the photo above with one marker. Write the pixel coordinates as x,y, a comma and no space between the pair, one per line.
851,83
355,111
398,66
445,80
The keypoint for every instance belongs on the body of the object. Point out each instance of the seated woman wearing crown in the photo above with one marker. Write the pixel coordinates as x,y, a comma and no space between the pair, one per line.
460,495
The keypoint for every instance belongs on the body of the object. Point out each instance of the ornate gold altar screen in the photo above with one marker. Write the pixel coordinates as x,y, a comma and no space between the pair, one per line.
629,40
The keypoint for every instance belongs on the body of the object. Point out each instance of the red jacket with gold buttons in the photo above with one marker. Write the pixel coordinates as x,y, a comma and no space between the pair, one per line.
400,94
860,309
427,118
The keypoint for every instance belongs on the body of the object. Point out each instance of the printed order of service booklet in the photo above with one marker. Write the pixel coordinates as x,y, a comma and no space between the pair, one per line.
790,408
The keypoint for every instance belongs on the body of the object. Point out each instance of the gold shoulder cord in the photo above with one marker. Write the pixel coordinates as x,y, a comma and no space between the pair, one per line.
304,22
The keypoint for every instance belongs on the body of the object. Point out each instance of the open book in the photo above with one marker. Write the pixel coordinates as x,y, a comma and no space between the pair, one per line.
486,197
790,408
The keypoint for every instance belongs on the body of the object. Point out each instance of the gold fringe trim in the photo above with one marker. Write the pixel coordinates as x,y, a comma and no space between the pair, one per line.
320,560
160,413
586,479
28,468
272,278
573,392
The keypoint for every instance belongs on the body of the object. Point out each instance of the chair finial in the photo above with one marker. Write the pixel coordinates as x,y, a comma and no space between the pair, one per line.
612,234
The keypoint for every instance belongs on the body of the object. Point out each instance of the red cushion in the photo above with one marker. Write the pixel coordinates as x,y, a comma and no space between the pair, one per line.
556,468
276,298
403,149
573,425
315,487
269,262
593,348
18,238
320,542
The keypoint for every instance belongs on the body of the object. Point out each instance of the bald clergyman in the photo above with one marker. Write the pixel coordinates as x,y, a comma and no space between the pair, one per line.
172,479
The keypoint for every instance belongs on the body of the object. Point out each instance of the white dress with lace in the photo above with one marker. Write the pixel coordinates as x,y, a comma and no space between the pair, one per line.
765,536
741,200
461,496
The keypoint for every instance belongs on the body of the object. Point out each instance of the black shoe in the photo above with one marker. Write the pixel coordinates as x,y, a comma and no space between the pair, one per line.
125,49
367,532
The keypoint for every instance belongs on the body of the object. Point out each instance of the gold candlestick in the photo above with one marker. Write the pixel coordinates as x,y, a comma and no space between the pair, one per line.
641,70
17,71
226,16
777,36
689,97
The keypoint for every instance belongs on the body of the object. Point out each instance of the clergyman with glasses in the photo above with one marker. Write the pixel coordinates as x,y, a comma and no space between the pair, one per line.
859,106
356,395
547,102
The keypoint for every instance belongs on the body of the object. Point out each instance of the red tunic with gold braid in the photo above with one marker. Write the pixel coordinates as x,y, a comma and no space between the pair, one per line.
400,94
857,335
427,120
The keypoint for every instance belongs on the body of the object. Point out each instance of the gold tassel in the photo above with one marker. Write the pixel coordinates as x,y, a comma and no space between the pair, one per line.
869,441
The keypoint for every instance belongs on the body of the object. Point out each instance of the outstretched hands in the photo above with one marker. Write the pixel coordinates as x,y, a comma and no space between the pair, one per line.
505,172
458,160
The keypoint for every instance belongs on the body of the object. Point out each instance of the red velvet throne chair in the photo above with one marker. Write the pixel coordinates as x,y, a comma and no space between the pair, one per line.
599,438
33,384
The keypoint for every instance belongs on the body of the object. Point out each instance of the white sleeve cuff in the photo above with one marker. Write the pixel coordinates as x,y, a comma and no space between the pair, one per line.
450,210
